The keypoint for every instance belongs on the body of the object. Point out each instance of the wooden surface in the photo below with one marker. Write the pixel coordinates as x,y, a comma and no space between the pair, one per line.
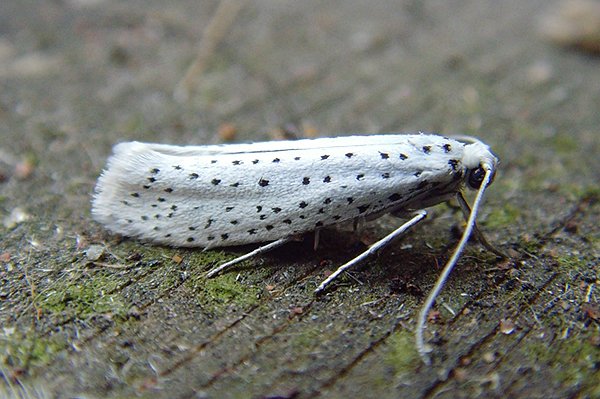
78,76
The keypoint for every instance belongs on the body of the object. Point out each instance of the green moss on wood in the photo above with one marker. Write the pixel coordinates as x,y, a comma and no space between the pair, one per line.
401,352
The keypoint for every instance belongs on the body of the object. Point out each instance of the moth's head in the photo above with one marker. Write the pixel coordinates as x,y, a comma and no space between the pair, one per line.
478,159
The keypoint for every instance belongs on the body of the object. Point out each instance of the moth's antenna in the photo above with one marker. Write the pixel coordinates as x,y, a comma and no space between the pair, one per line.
423,351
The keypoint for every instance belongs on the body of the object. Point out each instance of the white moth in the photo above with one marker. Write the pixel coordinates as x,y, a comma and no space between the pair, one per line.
223,195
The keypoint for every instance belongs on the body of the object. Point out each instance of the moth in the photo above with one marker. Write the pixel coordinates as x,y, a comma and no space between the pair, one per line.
270,192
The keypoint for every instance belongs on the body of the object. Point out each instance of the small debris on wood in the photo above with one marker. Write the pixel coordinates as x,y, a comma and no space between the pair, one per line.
460,374
134,312
573,23
95,252
572,226
24,168
489,357
16,217
227,132
213,35
296,310
507,326
270,288
134,257
5,257
434,316
591,310
401,286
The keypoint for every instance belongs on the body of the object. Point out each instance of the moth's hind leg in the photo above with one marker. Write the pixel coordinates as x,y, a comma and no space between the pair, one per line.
373,248
260,250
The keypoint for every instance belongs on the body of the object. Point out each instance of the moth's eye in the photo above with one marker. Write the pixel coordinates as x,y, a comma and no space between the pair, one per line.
475,177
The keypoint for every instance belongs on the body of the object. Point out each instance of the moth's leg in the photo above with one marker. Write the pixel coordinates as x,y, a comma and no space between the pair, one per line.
358,223
373,248
260,250
466,210
317,237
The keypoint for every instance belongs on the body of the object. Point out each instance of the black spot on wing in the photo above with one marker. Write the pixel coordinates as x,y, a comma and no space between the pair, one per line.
422,185
395,197
454,164
363,208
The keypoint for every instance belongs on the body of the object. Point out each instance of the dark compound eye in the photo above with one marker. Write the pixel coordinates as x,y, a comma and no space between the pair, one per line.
475,177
